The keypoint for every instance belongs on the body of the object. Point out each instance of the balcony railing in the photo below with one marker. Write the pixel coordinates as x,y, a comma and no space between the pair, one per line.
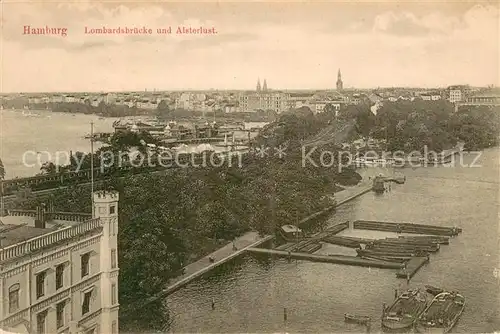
48,239
24,213
70,216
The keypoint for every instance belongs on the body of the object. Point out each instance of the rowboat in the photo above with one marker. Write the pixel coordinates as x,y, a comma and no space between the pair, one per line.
359,319
433,290
441,314
405,310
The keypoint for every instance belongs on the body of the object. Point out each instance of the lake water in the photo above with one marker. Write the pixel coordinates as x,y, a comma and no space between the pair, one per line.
251,293
23,134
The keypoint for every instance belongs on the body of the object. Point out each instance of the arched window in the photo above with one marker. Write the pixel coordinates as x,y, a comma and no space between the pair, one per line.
14,298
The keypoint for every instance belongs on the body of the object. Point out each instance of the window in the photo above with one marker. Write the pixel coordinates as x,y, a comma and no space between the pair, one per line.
14,298
112,210
40,284
113,294
40,322
59,276
85,264
113,258
60,314
114,327
102,210
86,302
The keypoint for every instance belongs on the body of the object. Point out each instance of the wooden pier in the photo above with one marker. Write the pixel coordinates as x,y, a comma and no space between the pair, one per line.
339,259
412,266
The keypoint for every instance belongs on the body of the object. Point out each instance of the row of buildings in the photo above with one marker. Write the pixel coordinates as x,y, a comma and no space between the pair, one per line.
262,98
59,270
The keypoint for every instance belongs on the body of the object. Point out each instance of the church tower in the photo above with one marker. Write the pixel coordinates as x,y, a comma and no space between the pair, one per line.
264,87
258,85
340,84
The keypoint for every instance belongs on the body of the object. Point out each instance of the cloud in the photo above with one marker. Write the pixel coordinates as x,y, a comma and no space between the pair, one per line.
408,24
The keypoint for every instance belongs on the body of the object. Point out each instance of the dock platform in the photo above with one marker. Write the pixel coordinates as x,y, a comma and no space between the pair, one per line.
338,259
412,266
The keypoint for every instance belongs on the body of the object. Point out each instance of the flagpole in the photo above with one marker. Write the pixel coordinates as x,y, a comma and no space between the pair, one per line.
92,166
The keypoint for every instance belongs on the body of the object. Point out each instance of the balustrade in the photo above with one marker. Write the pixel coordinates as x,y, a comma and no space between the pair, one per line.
48,239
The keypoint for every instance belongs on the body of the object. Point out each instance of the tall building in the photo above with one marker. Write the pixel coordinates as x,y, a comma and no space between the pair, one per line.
59,270
258,85
340,84
264,87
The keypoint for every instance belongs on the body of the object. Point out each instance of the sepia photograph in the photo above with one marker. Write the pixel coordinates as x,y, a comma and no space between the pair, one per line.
249,166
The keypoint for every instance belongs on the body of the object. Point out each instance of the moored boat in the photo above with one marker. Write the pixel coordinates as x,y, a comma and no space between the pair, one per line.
433,290
441,314
291,233
359,319
405,310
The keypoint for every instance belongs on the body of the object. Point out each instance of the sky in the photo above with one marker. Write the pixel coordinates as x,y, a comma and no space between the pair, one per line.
293,45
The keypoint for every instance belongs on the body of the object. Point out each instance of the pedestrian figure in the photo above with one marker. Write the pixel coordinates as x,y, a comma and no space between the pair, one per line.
395,293
234,247
408,278
213,304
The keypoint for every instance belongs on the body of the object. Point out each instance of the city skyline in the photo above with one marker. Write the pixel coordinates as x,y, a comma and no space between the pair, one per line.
375,45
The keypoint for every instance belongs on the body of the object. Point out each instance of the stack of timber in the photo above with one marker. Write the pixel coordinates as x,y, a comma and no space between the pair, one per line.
310,248
341,241
390,253
423,239
406,228
384,245
319,236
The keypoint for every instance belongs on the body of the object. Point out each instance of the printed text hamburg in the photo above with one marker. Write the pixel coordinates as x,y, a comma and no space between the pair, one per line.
181,30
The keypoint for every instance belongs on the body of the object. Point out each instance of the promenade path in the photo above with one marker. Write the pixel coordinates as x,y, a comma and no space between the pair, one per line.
221,255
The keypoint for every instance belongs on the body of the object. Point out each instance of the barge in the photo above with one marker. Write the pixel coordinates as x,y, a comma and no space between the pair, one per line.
441,314
405,310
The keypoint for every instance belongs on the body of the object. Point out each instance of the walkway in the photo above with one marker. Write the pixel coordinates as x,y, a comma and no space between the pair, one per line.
352,192
222,255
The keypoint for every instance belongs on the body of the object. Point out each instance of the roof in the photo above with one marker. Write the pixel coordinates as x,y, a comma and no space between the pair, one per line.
13,233
301,94
290,228
488,93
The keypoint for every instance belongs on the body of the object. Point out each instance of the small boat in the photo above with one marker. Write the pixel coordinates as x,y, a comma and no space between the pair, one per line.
441,314
405,310
433,290
359,319
291,233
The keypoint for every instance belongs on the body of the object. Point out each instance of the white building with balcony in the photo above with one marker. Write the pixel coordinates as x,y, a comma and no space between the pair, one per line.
59,270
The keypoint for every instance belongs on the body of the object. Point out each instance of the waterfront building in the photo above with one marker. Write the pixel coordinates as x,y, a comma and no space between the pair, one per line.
59,270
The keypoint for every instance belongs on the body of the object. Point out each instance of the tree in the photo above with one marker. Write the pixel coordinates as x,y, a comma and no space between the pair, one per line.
48,168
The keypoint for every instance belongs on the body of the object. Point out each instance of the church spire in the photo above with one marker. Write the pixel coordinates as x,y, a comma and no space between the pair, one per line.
258,85
264,87
340,84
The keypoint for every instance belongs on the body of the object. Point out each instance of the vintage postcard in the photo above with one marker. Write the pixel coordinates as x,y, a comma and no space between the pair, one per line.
249,167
